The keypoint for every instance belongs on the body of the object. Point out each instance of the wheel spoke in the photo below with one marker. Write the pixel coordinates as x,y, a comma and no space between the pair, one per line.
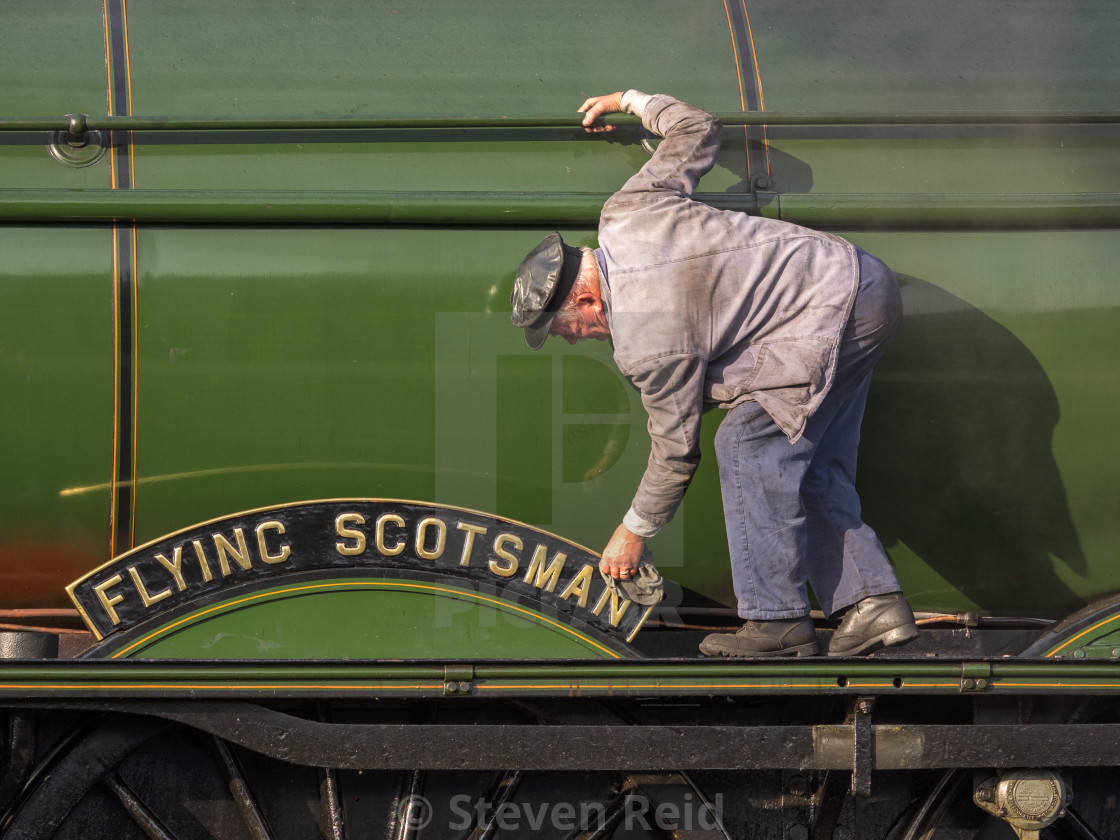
332,805
1074,827
934,805
408,810
149,823
502,793
613,814
833,792
242,796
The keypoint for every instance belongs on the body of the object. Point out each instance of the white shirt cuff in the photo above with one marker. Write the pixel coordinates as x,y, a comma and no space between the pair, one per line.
639,526
634,102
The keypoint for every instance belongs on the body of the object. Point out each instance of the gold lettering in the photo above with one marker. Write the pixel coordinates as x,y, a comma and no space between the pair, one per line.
640,624
422,536
174,566
468,542
617,609
108,601
380,536
341,524
510,567
202,562
239,555
145,596
285,548
580,585
545,579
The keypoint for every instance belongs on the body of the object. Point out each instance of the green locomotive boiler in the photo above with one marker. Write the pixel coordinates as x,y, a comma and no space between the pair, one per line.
296,535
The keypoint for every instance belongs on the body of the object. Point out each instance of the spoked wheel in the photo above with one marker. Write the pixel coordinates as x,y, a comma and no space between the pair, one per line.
948,810
133,778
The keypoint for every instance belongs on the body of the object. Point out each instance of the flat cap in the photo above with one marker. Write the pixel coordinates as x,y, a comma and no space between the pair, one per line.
543,281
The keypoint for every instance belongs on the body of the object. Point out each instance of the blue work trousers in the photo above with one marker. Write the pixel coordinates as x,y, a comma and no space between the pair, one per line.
792,510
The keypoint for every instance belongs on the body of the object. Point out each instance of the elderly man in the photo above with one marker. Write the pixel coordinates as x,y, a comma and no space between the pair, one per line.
780,325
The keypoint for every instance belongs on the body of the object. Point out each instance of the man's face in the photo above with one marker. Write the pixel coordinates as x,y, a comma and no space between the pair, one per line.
587,323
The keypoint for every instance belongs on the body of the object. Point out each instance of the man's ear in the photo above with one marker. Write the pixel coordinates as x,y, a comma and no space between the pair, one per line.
590,299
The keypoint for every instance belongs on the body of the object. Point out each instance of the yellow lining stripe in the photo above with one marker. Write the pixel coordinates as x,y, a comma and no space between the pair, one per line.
758,82
375,585
1069,642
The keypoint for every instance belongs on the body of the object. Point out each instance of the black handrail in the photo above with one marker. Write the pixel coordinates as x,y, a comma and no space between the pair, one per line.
78,124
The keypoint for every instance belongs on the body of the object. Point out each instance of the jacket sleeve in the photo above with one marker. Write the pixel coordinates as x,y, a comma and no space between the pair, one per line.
691,139
672,389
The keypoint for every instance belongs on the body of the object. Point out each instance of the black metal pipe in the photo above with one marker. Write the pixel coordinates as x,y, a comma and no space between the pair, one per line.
72,123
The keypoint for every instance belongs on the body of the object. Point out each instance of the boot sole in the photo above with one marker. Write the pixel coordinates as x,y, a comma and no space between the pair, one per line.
892,638
812,649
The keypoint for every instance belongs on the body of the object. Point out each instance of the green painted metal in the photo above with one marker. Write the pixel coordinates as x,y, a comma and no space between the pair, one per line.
327,358
348,619
54,357
340,207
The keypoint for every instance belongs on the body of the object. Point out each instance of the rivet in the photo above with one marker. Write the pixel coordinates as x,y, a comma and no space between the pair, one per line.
969,683
799,832
1079,653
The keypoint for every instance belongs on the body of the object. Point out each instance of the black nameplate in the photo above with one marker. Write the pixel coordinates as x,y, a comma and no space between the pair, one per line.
386,534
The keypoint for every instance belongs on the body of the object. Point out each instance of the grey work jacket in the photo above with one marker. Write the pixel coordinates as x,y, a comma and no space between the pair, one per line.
716,306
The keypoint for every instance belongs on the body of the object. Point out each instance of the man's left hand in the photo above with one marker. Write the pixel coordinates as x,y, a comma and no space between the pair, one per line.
621,556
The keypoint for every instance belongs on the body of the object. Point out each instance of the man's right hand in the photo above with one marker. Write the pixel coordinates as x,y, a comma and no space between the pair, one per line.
596,107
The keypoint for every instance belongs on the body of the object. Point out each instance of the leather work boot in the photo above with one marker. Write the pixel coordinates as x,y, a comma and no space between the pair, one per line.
875,622
777,637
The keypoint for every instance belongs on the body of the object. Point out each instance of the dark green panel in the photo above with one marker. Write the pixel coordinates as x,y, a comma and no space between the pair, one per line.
345,621
260,57
54,57
263,58
987,448
279,365
965,56
905,55
53,64
524,433
591,387
590,449
56,416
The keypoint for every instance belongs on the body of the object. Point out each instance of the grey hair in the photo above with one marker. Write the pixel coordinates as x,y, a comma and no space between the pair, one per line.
588,271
